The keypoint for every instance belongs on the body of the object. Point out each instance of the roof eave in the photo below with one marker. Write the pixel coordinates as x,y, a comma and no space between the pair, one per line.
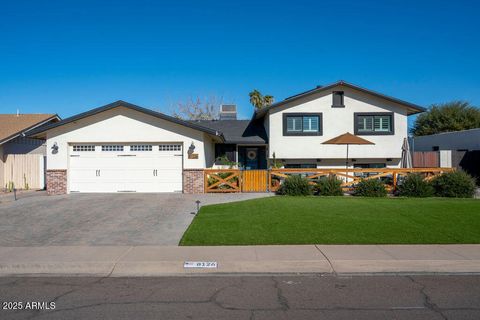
121,103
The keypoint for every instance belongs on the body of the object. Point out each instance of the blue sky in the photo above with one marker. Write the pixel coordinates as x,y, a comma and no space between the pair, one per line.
67,57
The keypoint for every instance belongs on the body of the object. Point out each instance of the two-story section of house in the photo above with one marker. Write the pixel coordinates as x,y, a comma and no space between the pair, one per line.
297,127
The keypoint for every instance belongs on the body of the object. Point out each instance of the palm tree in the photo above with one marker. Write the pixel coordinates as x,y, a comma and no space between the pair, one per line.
268,100
256,99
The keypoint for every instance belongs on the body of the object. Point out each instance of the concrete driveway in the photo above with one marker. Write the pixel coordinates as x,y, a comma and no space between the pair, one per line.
102,219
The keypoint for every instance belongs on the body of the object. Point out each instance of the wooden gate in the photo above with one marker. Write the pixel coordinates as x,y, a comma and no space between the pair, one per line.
254,181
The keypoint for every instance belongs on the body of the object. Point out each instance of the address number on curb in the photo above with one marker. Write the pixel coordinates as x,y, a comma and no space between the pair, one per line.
200,264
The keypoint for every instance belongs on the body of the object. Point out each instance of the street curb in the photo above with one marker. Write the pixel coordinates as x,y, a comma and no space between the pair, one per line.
305,259
167,268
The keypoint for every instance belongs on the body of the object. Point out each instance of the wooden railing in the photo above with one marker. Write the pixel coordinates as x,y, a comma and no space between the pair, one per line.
351,177
235,180
222,180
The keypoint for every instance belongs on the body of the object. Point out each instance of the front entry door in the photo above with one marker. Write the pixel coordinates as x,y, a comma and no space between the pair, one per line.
251,161
252,158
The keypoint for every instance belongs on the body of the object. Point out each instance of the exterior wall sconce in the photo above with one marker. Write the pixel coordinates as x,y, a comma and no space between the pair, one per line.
55,148
191,149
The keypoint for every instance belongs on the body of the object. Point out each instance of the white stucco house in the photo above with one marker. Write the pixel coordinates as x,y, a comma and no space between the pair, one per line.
122,147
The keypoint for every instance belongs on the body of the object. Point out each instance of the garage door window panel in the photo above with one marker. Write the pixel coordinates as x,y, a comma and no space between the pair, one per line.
84,148
169,147
141,147
112,147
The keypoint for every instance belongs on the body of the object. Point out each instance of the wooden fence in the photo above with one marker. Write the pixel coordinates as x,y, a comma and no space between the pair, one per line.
26,171
234,180
222,180
426,159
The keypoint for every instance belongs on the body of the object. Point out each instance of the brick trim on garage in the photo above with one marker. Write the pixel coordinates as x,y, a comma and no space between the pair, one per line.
193,181
56,182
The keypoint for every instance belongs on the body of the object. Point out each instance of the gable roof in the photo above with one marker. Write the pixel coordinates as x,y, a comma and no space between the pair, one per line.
131,106
412,108
13,125
238,131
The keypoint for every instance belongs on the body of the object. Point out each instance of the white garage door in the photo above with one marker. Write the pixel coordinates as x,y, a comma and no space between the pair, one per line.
125,168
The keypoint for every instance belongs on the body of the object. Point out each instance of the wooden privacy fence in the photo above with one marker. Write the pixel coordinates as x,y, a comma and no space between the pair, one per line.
24,170
426,159
234,180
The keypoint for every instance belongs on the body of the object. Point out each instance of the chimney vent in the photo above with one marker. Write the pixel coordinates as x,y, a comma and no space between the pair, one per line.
228,112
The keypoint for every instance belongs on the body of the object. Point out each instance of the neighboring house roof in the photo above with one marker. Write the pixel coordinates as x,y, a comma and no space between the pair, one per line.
127,105
413,108
238,131
13,125
473,131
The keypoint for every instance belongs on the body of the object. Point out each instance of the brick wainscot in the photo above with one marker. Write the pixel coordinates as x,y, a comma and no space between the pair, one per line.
56,182
193,181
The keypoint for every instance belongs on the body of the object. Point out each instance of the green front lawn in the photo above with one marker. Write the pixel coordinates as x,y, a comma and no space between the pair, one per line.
336,220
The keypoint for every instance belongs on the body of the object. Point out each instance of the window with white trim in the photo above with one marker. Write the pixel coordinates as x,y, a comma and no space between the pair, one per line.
84,148
310,124
112,147
170,147
294,124
141,147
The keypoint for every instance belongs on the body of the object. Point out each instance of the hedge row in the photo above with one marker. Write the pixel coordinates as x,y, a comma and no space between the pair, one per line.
456,184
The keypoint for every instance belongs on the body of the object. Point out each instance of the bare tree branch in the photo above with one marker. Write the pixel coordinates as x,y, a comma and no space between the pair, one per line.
198,108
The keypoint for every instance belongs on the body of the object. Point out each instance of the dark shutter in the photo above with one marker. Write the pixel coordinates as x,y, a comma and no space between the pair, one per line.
337,99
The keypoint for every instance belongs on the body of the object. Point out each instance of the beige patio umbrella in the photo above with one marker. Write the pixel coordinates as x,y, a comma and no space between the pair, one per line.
348,139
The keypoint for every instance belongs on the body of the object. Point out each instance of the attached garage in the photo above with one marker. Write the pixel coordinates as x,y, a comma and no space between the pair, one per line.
122,147
126,167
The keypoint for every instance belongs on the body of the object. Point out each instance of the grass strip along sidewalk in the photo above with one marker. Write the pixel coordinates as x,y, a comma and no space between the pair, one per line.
336,220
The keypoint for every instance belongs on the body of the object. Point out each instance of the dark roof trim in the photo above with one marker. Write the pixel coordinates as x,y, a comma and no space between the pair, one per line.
33,127
417,109
121,103
246,143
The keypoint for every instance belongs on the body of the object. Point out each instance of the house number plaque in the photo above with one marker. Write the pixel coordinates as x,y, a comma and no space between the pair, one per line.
200,264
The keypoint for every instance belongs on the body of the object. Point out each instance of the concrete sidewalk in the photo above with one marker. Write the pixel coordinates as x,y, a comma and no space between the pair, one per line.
169,260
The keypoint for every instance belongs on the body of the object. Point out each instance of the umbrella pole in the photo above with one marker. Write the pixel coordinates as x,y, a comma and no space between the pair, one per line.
346,162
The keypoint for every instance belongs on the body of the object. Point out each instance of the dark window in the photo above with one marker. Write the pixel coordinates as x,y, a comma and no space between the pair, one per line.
300,166
302,124
225,151
337,99
368,166
373,123
436,148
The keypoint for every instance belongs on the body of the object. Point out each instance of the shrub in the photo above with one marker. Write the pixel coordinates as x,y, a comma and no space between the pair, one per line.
456,184
295,185
370,188
329,186
415,186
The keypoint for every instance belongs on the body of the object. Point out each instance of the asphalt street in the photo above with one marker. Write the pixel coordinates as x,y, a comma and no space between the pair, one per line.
242,297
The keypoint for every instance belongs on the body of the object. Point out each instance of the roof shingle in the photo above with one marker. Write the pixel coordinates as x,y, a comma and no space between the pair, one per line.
238,131
12,124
